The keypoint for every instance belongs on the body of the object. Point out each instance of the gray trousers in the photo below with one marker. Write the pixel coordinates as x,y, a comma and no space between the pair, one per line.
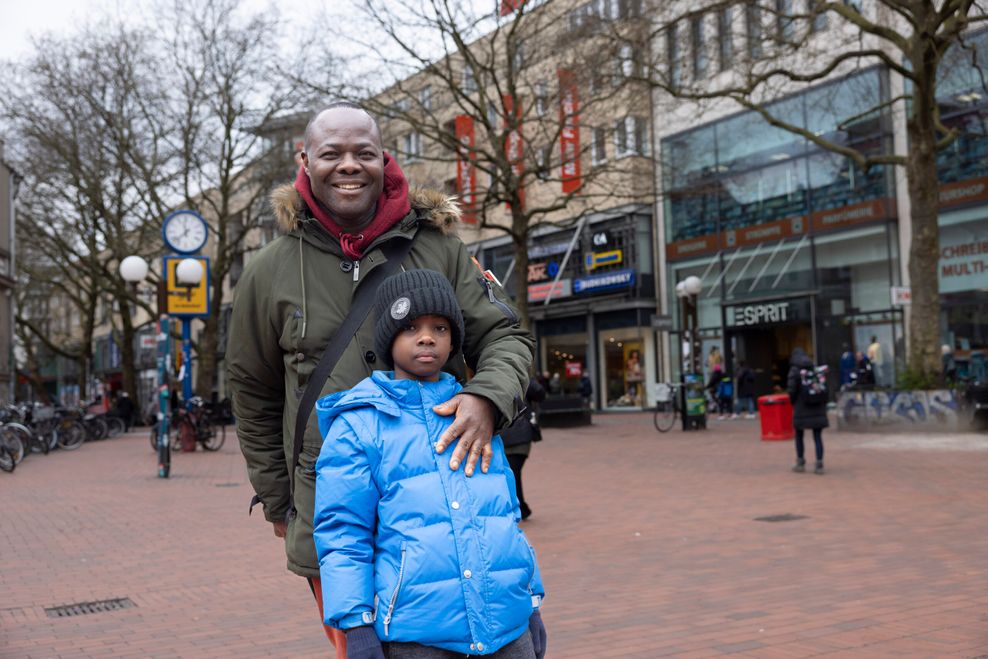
520,648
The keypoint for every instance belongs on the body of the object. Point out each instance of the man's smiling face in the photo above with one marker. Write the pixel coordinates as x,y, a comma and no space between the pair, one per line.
344,160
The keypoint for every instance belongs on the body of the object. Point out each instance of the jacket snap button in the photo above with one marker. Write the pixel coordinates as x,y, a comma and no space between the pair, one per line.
346,266
455,505
480,646
467,573
300,356
370,357
473,646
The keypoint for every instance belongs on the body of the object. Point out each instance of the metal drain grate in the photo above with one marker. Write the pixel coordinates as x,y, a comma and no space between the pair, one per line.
83,608
788,517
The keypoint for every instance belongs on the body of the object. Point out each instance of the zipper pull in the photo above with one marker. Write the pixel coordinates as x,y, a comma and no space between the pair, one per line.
356,270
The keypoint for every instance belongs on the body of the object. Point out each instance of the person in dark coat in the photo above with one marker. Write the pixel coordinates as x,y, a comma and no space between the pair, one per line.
125,410
847,365
805,414
518,438
746,391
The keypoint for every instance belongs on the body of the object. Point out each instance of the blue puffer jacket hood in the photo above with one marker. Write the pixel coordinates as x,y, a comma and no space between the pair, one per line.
423,553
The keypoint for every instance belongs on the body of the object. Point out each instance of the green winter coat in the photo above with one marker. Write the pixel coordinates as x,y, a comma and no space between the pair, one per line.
291,298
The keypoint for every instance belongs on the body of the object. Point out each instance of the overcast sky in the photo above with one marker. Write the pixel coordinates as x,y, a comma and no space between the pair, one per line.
21,19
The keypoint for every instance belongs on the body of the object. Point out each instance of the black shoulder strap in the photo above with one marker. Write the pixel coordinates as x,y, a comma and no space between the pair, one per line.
395,253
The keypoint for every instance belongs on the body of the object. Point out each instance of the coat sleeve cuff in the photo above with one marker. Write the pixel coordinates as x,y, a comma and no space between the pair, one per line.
359,619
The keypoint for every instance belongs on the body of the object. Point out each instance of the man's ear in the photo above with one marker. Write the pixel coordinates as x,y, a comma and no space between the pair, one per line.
305,160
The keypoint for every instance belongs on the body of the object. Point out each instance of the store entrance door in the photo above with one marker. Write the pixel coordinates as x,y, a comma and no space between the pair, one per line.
764,336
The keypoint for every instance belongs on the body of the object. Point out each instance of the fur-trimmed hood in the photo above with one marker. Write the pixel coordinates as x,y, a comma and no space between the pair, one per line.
434,208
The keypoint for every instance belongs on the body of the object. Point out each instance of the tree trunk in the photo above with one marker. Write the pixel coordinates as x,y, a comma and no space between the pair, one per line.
520,241
206,357
924,251
82,377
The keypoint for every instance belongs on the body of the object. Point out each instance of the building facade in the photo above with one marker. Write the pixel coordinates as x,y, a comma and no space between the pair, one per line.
797,246
9,180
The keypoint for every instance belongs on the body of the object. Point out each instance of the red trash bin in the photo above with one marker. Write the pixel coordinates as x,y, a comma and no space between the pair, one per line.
775,412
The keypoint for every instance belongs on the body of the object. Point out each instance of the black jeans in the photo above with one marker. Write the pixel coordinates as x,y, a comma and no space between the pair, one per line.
517,461
817,440
520,648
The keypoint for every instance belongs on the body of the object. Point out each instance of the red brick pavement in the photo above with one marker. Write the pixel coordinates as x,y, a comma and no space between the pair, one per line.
647,542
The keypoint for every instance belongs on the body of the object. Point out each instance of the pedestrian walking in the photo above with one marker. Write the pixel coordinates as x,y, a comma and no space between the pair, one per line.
518,438
746,391
876,355
809,406
349,213
846,366
407,570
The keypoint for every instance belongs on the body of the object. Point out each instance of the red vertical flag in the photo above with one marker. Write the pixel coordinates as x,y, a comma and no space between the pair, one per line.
514,147
466,171
569,136
509,6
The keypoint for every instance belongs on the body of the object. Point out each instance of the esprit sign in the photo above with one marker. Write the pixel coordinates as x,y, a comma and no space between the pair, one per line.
762,314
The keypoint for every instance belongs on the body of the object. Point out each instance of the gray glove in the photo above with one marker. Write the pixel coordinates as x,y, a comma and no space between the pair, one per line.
537,629
363,643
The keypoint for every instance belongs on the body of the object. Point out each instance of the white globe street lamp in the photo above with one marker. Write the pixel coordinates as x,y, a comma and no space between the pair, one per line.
134,269
189,272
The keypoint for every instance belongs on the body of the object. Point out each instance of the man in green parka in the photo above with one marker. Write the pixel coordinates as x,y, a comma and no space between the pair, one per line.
350,198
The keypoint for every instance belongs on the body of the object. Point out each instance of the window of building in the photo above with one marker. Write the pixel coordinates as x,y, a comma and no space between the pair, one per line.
785,25
672,55
599,150
425,97
631,137
698,48
818,21
469,80
543,161
401,106
753,29
411,146
541,98
627,63
725,39
493,117
518,60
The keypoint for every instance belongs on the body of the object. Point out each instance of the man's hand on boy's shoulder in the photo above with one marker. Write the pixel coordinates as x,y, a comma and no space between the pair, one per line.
474,426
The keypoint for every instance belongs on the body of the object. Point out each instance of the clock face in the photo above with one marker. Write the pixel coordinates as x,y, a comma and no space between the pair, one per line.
185,232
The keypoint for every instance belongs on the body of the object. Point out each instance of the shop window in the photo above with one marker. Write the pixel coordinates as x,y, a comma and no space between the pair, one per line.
624,370
566,356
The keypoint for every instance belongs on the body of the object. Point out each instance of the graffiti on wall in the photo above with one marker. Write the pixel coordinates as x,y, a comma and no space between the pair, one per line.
897,409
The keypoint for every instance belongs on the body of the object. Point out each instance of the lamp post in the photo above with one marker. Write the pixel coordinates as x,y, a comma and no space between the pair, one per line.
134,269
687,291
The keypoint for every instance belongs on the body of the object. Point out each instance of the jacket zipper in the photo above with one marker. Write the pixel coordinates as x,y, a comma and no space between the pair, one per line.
356,270
505,309
394,595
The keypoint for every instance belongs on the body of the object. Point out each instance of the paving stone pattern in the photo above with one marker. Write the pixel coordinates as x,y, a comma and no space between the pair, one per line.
648,545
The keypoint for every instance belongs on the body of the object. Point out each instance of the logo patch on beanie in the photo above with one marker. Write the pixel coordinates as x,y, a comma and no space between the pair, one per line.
400,308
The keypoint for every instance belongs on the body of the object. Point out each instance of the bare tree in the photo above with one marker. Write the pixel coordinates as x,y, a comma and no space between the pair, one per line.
76,109
788,46
226,81
500,98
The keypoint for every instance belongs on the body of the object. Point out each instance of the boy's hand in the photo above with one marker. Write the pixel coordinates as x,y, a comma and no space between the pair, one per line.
363,643
474,425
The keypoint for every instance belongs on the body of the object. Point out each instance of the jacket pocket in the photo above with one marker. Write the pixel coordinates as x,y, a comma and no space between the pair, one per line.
397,589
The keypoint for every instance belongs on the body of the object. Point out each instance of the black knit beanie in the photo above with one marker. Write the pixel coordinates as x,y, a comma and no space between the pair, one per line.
407,295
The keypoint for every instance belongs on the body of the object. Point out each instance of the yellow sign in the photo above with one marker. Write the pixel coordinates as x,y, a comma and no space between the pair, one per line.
187,300
596,260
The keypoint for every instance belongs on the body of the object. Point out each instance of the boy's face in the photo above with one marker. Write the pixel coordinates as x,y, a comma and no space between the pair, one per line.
421,348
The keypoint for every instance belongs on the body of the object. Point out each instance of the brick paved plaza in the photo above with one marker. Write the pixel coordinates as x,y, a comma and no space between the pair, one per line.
648,544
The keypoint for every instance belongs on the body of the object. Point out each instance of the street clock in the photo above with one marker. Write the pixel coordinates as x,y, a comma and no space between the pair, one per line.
185,232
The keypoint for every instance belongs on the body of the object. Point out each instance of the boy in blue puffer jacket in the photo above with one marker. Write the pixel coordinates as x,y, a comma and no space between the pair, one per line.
418,560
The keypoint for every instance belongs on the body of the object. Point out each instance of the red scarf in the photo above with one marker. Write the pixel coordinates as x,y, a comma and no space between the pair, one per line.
391,208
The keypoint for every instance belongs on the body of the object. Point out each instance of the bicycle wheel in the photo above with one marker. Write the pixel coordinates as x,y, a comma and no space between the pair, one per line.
6,460
665,416
13,443
71,434
215,437
115,426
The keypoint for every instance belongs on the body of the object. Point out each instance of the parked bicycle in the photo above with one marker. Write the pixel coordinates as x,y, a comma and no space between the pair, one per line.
194,423
667,405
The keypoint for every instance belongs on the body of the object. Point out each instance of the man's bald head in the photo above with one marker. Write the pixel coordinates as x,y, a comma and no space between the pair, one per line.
325,118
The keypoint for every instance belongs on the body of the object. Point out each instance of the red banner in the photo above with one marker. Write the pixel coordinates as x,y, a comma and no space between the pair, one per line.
569,137
509,6
466,170
514,147
964,192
